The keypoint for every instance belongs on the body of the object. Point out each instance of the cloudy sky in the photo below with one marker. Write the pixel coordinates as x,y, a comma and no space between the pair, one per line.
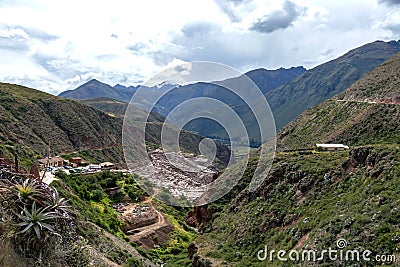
57,45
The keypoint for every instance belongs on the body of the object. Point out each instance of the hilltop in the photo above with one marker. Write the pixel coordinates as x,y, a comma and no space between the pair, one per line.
33,121
96,89
366,113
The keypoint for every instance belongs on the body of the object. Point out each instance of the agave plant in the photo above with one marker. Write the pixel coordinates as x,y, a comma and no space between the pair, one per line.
58,204
37,221
27,190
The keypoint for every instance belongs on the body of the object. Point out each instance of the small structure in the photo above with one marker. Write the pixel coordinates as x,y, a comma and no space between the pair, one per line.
94,167
77,160
52,162
113,190
106,165
331,147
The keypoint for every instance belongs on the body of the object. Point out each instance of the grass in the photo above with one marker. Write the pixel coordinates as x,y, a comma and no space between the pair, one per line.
174,253
312,195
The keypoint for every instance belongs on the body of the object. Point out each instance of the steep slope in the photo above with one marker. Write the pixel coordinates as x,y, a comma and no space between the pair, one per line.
327,80
310,200
96,89
386,77
266,80
36,120
368,112
108,105
117,108
31,121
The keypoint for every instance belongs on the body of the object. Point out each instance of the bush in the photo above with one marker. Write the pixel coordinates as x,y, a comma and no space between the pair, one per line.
39,221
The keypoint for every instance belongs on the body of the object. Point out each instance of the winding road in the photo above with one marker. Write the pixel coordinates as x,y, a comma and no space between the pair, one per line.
149,229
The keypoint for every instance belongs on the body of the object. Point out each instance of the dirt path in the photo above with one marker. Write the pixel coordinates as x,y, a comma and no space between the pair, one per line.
146,230
379,102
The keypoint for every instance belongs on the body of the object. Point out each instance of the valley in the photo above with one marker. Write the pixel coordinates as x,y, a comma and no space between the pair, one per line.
116,215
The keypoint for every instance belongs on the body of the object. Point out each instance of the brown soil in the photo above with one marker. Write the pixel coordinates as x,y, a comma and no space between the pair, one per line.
145,225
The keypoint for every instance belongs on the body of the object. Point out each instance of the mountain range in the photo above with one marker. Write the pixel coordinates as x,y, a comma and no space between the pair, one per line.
327,80
34,124
97,89
288,91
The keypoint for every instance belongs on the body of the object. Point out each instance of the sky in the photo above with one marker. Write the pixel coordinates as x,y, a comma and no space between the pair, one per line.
55,46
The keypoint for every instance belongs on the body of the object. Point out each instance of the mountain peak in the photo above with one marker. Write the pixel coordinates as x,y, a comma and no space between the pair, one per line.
95,89
95,82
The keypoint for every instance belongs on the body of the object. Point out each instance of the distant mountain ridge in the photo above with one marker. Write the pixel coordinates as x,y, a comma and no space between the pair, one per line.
97,89
33,121
266,80
288,91
327,80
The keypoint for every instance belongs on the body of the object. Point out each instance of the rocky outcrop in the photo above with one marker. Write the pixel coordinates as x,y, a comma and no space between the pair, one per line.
200,217
153,238
198,261
358,157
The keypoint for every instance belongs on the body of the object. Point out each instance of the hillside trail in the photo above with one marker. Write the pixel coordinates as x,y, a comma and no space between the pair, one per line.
146,230
367,101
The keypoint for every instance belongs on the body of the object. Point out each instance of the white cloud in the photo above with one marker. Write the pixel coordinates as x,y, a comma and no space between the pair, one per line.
57,45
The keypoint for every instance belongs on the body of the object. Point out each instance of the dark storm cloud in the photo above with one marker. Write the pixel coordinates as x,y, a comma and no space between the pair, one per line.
389,2
393,27
280,19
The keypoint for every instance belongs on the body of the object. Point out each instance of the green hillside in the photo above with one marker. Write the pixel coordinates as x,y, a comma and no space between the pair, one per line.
366,113
310,200
33,121
327,80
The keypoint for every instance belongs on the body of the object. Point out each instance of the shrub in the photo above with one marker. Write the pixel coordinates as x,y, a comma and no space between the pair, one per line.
39,222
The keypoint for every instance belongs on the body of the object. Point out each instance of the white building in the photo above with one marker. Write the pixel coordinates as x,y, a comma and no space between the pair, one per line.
331,147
